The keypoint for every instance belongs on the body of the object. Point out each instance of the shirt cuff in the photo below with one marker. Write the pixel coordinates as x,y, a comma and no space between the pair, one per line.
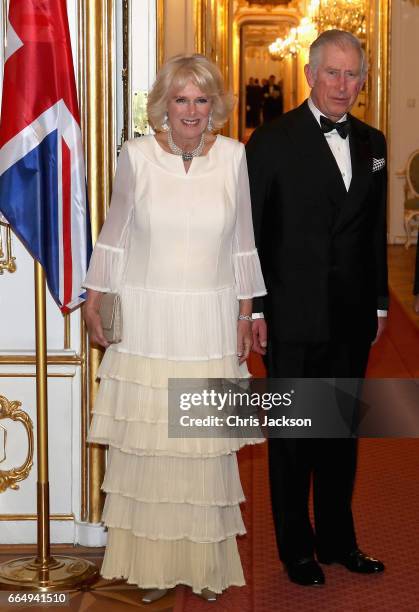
382,313
257,315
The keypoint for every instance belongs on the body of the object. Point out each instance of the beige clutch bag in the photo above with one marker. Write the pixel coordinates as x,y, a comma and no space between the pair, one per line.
110,312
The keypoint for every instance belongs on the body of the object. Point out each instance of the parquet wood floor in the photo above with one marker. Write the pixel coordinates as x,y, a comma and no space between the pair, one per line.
103,596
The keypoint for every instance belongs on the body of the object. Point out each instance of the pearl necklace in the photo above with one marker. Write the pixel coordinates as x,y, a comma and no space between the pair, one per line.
186,155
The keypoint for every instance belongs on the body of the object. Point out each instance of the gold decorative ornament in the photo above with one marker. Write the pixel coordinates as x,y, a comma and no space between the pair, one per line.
3,438
7,261
13,411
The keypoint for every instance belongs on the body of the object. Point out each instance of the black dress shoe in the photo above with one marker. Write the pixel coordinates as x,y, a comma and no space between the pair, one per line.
356,561
306,572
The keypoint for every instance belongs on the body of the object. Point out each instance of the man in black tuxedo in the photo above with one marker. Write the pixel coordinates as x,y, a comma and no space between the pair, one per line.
318,184
273,100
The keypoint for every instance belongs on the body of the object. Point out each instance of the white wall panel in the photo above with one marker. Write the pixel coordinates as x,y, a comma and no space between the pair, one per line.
143,43
17,383
17,307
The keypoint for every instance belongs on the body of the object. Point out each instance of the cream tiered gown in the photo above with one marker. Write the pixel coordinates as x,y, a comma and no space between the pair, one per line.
180,250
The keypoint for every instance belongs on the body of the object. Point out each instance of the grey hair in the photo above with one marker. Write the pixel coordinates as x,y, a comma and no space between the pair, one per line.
175,74
339,38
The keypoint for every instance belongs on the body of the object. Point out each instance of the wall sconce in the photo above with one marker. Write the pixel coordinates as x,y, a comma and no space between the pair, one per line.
7,261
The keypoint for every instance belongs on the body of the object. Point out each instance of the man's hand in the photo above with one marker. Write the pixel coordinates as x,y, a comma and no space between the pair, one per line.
416,303
244,340
382,324
260,336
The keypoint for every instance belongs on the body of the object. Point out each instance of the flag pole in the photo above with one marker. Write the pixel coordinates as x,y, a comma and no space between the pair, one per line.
44,556
44,572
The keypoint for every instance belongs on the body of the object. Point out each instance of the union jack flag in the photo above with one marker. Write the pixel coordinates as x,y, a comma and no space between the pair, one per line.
42,175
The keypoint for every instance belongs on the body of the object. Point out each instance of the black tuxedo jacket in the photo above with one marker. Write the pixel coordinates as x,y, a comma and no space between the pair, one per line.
323,249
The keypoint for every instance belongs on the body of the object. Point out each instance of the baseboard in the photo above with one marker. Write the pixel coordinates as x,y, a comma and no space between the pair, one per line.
90,534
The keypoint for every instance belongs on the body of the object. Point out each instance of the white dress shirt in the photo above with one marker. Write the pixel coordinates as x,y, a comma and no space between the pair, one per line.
338,145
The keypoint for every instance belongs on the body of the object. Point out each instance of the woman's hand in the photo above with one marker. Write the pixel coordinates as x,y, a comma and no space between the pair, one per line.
92,318
244,340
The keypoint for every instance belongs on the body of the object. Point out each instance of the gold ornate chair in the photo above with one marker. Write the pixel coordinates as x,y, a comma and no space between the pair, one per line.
411,192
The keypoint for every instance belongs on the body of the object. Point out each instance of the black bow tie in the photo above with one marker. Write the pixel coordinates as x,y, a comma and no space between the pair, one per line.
342,127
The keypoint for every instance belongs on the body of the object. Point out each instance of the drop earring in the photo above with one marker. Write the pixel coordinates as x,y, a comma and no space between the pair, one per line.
210,125
165,125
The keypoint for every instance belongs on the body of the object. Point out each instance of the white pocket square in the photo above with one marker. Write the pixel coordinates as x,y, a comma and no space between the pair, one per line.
377,164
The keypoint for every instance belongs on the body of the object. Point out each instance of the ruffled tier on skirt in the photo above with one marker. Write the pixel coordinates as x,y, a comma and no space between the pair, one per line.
163,564
172,506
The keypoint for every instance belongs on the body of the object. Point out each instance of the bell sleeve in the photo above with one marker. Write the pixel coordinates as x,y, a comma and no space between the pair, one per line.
108,258
247,270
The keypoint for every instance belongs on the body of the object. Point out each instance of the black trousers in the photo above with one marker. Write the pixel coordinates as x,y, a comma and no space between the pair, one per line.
330,463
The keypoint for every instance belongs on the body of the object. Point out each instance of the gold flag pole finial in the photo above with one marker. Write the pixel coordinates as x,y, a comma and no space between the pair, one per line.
44,573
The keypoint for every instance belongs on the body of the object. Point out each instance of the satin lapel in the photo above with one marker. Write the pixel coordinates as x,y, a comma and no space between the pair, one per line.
318,161
361,162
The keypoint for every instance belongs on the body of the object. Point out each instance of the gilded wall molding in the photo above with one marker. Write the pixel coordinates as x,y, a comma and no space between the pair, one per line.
212,22
14,359
378,51
160,33
33,375
97,106
385,63
9,478
125,69
199,12
84,423
34,517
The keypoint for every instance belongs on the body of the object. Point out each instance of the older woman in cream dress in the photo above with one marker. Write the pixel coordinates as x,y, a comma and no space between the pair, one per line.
178,246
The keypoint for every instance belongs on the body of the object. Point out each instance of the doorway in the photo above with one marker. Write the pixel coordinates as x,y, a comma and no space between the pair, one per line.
268,87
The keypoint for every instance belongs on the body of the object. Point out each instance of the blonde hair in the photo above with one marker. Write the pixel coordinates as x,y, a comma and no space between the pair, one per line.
175,74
